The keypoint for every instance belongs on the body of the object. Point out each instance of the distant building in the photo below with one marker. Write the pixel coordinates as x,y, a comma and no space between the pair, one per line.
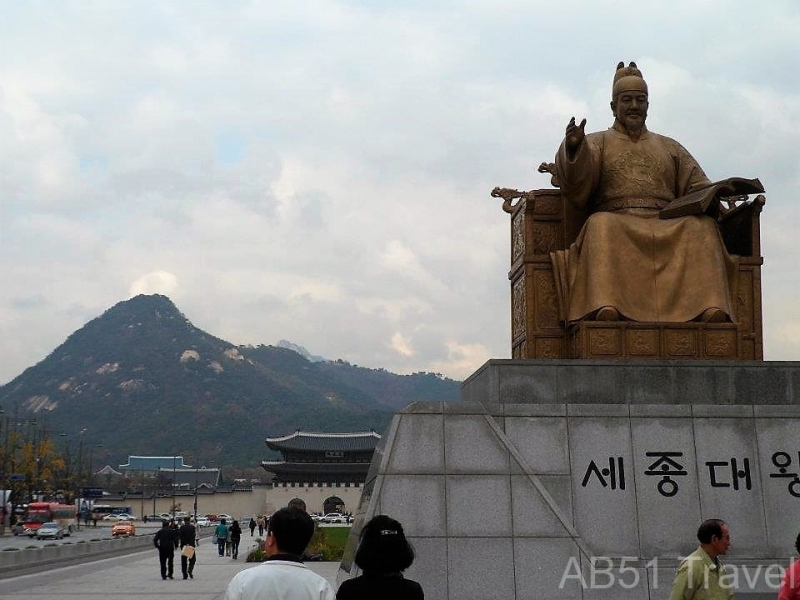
170,471
326,471
314,462
108,470
151,465
323,458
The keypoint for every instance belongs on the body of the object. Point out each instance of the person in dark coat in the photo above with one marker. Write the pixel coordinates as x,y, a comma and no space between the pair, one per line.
188,539
383,554
164,540
236,537
252,526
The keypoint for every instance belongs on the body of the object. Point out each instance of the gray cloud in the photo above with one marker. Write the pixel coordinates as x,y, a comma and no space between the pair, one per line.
319,171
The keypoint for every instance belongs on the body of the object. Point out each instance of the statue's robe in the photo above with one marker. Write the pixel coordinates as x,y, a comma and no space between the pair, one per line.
649,269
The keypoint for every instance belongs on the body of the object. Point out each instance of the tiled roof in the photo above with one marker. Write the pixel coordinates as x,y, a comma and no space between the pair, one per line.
152,463
321,442
280,467
192,476
108,470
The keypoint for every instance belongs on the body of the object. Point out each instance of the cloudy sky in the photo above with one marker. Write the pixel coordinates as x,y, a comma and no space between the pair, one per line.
319,171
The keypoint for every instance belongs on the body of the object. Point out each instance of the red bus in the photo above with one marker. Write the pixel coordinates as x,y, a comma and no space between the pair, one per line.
44,512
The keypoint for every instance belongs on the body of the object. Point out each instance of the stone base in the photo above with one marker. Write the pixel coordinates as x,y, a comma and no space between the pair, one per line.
660,341
582,479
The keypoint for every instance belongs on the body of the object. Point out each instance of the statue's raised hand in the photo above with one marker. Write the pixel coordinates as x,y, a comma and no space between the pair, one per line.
574,136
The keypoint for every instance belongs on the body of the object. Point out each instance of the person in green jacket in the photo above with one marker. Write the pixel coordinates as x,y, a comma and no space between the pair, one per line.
221,533
701,575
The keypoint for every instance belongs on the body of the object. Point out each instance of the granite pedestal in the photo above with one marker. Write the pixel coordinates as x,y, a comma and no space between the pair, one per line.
580,479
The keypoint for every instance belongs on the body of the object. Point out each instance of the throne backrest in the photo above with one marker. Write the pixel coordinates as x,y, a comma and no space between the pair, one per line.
543,222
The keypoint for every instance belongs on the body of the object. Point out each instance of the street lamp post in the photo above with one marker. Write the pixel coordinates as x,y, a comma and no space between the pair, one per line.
156,482
195,492
173,487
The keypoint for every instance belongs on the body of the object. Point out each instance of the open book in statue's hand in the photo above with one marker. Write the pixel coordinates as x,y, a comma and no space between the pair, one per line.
705,200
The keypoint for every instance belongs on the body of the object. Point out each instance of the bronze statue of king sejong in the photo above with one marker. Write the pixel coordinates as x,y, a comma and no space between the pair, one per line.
627,263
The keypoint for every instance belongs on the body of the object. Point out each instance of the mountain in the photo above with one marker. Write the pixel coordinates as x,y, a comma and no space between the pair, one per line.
141,379
301,351
388,389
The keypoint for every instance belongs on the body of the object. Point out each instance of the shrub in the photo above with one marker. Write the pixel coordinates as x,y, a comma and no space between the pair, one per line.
259,553
329,542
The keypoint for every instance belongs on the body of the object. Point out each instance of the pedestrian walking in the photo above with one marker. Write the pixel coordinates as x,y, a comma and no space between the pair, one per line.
236,536
283,574
261,524
165,542
383,554
221,533
702,575
188,540
253,526
790,586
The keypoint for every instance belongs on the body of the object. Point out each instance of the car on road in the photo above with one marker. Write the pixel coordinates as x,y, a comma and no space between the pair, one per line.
228,518
50,530
160,517
123,528
20,528
119,517
334,518
203,522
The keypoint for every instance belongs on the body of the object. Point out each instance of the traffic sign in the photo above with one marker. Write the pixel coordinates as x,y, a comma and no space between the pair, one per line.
16,477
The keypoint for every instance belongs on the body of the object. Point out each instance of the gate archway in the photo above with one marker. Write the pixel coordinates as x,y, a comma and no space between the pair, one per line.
333,504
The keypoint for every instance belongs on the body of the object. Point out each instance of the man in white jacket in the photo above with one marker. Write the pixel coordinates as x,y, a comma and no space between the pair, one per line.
283,576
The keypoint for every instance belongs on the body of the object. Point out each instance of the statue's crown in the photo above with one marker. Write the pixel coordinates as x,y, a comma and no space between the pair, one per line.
627,79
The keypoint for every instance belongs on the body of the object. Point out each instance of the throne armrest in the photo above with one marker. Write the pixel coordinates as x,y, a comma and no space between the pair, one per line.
740,226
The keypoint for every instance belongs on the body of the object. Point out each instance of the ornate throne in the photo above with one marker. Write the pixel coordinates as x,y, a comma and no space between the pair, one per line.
542,222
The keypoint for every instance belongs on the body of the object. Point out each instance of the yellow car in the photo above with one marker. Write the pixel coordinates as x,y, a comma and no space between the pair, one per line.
125,528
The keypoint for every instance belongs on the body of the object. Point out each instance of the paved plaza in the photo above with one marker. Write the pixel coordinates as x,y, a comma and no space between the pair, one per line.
137,576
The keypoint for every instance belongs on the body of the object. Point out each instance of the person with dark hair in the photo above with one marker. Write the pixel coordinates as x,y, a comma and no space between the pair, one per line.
282,575
188,541
221,533
164,540
383,554
236,536
701,575
790,586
